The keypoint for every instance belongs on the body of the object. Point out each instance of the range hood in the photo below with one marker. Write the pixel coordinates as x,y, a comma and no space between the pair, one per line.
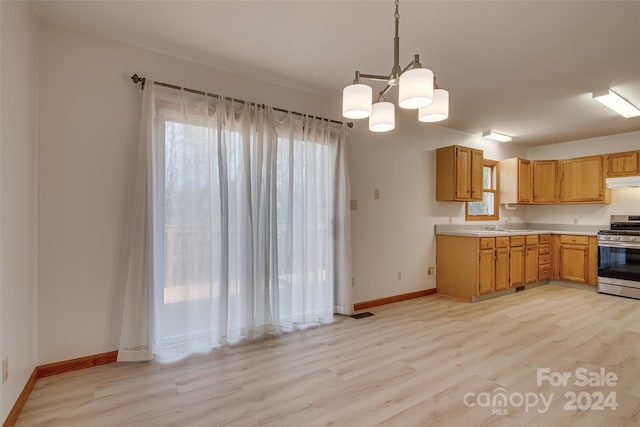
627,181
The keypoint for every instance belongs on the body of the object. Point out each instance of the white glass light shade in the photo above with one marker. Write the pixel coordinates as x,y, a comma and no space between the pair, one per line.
415,88
439,108
383,117
356,101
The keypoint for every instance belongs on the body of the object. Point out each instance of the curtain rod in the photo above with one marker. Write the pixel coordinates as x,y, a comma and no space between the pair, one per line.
138,79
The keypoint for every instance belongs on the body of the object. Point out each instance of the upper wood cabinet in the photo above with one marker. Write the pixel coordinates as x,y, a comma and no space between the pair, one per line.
623,164
515,180
459,174
545,182
582,180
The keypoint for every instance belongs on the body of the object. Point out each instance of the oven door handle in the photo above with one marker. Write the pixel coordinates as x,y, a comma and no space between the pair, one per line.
610,244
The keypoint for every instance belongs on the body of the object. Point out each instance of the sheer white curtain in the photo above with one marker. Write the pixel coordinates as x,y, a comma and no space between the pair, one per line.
244,229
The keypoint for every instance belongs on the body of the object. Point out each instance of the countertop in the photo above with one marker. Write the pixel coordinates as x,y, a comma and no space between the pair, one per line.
473,230
500,233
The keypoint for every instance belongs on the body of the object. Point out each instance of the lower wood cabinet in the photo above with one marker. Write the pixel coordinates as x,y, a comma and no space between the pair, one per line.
516,263
487,275
574,263
469,267
465,266
577,259
531,259
544,257
502,263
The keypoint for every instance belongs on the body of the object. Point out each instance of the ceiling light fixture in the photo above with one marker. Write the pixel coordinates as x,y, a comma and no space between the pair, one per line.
496,136
610,99
415,91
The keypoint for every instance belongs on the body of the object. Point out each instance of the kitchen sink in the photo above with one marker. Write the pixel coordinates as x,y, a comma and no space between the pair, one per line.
482,232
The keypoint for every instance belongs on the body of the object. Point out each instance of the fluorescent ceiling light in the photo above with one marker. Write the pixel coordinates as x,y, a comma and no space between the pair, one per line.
626,181
610,99
496,136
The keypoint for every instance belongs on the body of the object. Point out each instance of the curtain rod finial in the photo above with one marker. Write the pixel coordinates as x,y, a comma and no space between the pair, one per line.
137,79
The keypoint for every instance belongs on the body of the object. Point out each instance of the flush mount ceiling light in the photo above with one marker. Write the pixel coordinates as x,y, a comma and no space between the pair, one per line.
610,99
496,136
417,89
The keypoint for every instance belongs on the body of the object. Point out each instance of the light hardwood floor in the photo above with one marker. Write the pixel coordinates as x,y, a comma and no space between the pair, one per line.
411,364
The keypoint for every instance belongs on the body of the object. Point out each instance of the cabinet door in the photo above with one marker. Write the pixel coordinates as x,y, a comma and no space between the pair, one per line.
486,281
463,168
476,174
531,264
622,164
582,179
502,269
516,267
544,181
524,181
574,263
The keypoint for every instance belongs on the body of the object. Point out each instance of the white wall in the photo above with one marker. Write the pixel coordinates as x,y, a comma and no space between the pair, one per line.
18,143
396,233
623,200
89,111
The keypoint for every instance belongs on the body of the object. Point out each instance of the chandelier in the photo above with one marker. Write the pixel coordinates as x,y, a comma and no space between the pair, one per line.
417,89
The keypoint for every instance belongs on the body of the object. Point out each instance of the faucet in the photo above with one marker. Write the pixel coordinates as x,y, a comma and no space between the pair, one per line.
494,227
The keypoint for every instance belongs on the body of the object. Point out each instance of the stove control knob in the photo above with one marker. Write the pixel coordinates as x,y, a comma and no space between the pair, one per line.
632,238
615,237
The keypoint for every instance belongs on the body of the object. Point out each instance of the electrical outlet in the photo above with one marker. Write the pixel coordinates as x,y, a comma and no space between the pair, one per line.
431,271
5,369
399,276
354,205
376,193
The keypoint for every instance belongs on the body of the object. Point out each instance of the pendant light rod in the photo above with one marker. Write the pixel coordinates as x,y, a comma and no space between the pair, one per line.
359,76
395,72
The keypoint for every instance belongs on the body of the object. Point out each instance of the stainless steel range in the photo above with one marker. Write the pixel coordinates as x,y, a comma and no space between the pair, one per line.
619,257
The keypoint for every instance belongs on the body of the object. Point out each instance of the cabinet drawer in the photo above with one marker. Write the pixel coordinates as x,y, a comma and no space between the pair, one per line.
545,238
544,249
544,273
574,240
502,242
517,241
544,260
487,243
532,239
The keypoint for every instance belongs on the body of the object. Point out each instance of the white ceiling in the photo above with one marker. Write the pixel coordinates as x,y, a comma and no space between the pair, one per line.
526,69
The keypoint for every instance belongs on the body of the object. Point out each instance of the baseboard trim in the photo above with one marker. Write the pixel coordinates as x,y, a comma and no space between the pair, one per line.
387,300
56,368
22,399
76,364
